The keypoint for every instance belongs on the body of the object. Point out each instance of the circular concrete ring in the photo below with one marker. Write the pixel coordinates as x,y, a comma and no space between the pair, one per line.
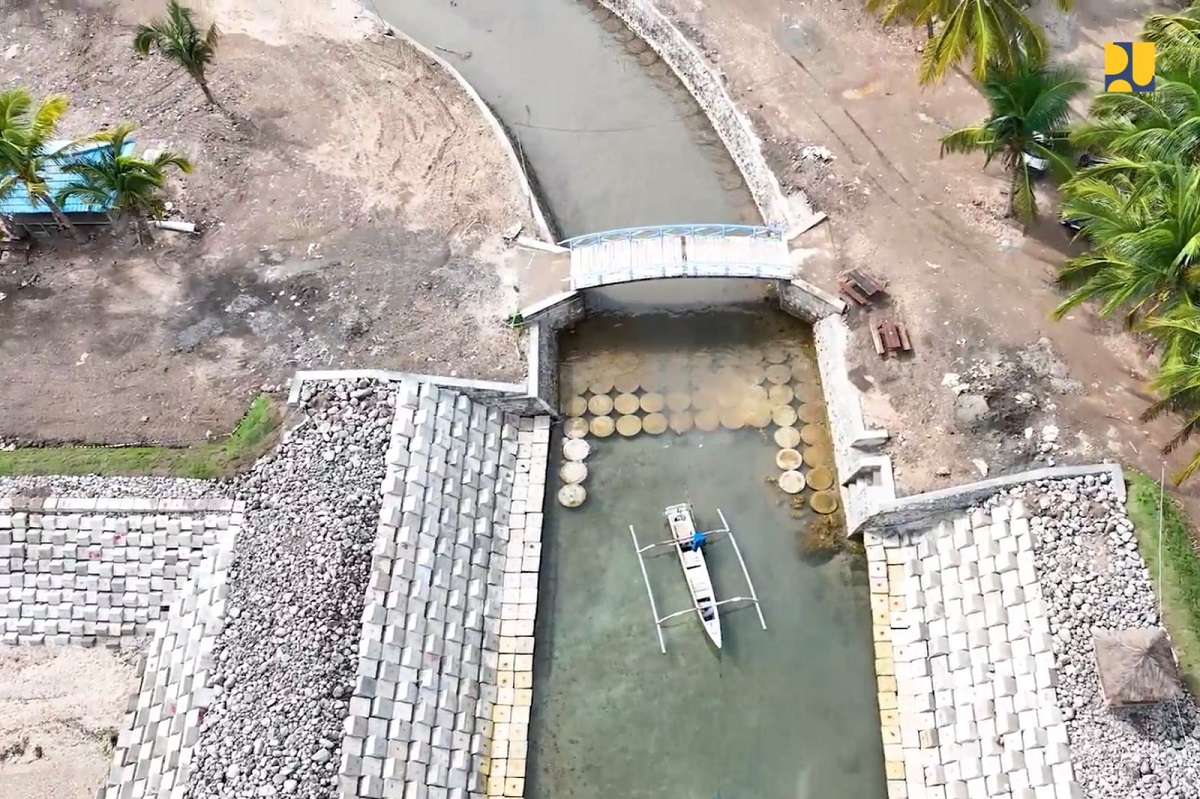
600,405
681,421
708,420
758,415
600,384
629,425
733,418
780,395
787,437
775,355
814,435
791,482
824,501
788,459
626,404
783,416
652,402
571,495
811,413
820,478
573,472
602,426
575,406
778,374
654,424
627,382
753,373
820,455
575,427
576,449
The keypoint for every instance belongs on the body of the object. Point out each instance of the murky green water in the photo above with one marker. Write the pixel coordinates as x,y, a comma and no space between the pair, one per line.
786,712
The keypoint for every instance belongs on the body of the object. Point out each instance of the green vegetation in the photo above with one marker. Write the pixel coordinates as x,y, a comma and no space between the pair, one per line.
131,183
1029,107
1133,193
1180,585
26,130
177,37
990,32
252,437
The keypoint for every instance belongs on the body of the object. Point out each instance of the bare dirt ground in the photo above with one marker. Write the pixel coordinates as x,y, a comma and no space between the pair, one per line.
350,214
59,711
990,369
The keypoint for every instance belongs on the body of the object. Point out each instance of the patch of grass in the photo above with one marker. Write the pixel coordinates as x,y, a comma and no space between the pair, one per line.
210,460
1180,568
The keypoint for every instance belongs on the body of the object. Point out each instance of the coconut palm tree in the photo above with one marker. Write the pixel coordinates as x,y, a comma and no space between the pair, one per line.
178,38
1178,387
127,183
991,32
1176,39
1144,226
1162,125
27,131
1029,107
1177,333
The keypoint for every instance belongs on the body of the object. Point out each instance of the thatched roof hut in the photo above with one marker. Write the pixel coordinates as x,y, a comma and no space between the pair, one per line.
1137,666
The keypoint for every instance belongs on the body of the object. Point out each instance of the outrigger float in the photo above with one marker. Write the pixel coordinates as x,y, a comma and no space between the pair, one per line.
689,543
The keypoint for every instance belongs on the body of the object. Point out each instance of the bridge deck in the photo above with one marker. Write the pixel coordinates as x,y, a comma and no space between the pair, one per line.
682,251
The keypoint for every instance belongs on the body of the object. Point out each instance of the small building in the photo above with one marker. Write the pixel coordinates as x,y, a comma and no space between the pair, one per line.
25,217
1137,666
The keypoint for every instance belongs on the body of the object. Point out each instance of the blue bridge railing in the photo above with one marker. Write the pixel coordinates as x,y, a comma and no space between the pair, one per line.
663,231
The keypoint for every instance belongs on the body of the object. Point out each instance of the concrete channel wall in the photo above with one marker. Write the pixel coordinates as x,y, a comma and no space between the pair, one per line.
735,129
921,511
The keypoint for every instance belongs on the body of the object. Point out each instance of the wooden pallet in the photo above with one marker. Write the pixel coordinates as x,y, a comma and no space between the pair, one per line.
859,286
888,336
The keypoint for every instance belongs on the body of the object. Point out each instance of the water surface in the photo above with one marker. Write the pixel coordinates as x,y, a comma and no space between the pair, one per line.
613,138
786,712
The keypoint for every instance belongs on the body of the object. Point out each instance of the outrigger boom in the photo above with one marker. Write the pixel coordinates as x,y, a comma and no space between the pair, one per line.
688,543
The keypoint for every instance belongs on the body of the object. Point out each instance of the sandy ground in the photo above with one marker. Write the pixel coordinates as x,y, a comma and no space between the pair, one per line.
351,215
975,292
59,711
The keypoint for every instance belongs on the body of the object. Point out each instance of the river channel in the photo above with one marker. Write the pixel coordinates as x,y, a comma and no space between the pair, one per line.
786,713
612,137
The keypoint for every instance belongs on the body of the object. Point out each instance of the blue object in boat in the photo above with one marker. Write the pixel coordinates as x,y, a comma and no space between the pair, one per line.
698,539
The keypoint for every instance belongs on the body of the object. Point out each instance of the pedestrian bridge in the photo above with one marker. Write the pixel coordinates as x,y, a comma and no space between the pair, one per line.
651,253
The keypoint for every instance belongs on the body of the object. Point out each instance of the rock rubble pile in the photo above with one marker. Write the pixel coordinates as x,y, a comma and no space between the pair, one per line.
284,667
1093,577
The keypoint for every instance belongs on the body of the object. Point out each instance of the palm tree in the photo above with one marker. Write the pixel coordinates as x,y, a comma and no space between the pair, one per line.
1177,332
120,179
1029,107
1144,225
27,130
178,38
991,31
1178,387
1176,38
1162,125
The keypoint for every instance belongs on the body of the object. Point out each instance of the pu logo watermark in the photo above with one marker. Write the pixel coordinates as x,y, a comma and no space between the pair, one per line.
1129,67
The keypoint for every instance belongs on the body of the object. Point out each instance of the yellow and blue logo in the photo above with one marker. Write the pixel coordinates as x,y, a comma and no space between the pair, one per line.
1129,67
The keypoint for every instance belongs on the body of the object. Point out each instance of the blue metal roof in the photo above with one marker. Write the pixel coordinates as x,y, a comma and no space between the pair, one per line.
18,201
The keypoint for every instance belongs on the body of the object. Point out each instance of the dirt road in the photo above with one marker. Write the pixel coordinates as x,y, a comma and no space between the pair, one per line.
350,214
